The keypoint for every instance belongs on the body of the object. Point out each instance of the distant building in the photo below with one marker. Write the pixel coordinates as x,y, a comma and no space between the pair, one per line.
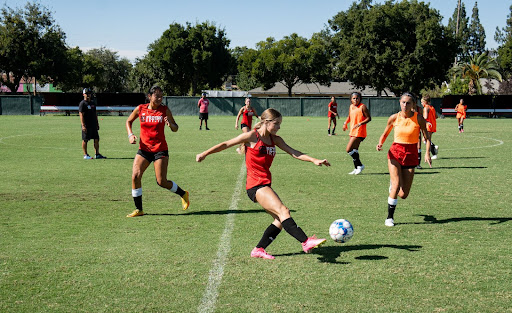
337,89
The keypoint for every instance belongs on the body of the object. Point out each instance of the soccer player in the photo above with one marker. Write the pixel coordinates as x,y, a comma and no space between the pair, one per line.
203,104
260,149
90,125
358,117
247,112
332,115
153,118
402,156
429,114
461,114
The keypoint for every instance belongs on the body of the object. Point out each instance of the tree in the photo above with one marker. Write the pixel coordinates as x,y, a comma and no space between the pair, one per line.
401,46
462,33
290,61
478,66
504,37
476,40
186,59
32,45
105,71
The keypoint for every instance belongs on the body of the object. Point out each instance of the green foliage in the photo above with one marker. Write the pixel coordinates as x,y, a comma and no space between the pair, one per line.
105,71
401,46
462,35
504,37
31,44
186,59
478,66
458,86
476,41
289,61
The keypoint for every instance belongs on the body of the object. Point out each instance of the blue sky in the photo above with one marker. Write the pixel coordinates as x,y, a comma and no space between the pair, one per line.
128,26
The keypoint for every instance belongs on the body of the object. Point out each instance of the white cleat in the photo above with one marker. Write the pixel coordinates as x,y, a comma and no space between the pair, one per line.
358,170
353,172
389,222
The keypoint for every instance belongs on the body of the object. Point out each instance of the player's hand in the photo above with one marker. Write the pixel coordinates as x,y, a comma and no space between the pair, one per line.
132,139
321,162
428,159
379,147
345,127
84,129
357,125
200,157
236,126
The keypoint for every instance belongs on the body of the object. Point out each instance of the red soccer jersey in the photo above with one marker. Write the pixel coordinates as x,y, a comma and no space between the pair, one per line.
333,106
258,161
247,117
152,126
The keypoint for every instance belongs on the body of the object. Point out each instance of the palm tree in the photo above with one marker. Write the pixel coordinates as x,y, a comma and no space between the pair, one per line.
478,66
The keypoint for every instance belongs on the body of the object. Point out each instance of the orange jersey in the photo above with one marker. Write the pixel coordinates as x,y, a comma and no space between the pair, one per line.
431,118
407,129
461,110
356,116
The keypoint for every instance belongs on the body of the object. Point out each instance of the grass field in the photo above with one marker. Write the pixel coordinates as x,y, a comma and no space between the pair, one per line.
66,245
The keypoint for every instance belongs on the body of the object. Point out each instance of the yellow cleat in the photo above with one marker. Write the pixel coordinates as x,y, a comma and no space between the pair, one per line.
185,201
135,213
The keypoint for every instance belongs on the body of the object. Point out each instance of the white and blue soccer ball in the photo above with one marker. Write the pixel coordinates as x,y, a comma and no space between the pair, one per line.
341,230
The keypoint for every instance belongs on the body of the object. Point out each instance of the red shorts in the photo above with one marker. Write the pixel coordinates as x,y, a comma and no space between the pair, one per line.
405,153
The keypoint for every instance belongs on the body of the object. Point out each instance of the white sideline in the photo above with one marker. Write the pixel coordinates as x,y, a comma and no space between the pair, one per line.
215,277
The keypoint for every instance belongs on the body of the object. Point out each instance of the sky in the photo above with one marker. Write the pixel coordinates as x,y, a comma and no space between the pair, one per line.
128,26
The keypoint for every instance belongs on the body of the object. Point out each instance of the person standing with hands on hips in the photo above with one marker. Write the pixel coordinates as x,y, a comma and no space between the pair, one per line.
203,104
247,112
90,125
403,154
153,116
260,151
332,115
358,117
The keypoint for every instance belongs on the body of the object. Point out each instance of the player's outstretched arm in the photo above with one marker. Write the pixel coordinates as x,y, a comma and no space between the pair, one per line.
297,154
242,138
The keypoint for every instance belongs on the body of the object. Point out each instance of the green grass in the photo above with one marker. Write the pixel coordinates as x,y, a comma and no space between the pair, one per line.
66,245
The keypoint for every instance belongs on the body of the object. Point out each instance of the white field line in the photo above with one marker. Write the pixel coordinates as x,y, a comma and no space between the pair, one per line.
215,278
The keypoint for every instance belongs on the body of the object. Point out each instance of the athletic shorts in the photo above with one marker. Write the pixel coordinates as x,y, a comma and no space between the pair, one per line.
362,138
153,156
405,154
251,193
463,115
244,125
203,116
92,133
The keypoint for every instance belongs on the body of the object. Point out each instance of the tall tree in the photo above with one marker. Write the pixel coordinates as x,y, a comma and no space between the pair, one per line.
462,33
401,46
476,42
105,71
31,44
186,59
289,61
504,38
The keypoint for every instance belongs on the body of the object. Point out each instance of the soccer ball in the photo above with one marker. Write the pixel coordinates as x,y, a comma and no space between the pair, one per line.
341,230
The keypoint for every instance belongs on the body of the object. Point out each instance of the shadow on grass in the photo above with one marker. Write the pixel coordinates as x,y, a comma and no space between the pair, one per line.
456,167
330,254
188,212
431,219
459,158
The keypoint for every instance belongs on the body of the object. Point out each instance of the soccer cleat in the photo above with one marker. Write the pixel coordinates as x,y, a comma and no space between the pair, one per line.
200,128
329,135
135,212
261,253
419,167
389,222
99,156
359,169
353,172
207,128
87,157
312,243
434,157
185,201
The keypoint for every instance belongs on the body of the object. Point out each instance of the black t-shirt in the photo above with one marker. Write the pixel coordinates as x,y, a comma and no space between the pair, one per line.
88,109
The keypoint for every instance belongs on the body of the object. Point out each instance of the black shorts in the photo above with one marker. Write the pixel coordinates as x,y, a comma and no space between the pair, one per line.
244,125
251,193
92,133
203,116
153,156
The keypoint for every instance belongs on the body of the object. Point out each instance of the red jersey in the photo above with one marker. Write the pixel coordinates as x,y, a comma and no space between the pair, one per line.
152,126
258,161
333,106
247,117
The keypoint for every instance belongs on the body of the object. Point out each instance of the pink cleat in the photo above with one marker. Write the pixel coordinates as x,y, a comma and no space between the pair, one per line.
312,243
260,253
